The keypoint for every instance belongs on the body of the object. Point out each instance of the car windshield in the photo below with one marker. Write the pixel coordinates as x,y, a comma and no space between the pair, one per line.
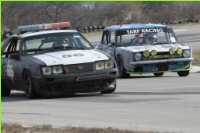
146,37
54,42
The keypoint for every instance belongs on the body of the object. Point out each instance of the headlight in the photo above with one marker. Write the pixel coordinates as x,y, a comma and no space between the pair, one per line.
57,69
179,51
146,53
100,65
47,70
109,64
186,53
52,70
138,56
172,51
153,52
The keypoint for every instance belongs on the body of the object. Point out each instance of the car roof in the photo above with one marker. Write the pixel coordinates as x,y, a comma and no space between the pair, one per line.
29,34
134,26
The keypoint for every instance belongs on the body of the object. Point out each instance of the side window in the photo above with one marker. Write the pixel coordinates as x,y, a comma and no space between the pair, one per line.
112,37
13,47
5,49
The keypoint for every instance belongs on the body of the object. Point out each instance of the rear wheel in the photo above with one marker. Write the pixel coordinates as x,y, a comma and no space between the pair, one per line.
158,74
5,91
29,87
122,71
183,73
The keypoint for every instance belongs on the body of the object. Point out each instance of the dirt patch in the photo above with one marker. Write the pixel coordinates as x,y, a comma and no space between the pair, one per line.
16,128
196,56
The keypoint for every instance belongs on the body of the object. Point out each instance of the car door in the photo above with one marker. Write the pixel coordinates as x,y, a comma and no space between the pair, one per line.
11,63
108,42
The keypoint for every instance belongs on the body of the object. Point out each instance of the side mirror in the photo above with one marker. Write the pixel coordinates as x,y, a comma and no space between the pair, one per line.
15,56
112,44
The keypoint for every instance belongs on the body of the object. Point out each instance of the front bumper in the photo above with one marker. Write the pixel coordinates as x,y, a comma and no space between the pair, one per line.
74,83
164,65
161,61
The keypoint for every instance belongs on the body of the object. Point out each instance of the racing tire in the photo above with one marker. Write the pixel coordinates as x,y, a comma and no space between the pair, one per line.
5,91
110,90
158,74
29,86
122,71
183,73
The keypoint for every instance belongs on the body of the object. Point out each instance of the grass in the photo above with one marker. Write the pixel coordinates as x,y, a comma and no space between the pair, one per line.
196,56
16,128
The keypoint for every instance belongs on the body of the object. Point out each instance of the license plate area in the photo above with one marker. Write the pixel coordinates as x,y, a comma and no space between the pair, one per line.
162,67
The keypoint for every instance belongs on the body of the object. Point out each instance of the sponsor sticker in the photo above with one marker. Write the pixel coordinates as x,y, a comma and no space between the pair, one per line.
10,70
143,31
70,55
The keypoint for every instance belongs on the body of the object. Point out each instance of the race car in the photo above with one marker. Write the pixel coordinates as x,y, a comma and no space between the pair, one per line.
146,48
48,59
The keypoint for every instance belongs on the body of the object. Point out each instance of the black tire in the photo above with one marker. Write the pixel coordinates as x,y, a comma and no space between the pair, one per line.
158,74
110,90
183,73
122,71
5,91
29,87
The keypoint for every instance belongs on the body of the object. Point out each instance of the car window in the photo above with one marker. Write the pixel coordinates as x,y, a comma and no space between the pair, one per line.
12,47
112,37
5,50
54,42
146,37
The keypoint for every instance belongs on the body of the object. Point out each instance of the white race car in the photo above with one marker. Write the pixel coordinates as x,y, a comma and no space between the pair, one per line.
45,60
146,48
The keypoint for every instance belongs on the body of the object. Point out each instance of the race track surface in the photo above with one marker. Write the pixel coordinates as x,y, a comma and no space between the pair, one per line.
142,102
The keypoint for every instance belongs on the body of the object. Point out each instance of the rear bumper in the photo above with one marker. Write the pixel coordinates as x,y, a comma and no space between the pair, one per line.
162,61
74,83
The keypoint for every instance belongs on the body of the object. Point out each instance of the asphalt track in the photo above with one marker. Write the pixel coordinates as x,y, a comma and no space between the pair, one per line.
143,102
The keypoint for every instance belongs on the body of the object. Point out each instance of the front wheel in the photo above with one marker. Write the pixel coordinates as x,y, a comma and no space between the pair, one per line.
158,74
122,71
108,91
183,73
110,88
5,91
29,87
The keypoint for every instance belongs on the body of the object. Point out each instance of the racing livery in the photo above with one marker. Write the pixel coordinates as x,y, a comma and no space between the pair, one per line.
53,62
146,48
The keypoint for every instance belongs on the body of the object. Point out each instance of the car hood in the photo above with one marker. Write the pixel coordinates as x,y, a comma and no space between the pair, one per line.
158,48
71,57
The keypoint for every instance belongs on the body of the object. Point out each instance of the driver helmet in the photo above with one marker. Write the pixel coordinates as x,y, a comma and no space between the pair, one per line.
152,37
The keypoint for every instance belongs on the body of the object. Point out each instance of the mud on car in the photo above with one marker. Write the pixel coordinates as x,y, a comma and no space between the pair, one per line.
146,48
48,60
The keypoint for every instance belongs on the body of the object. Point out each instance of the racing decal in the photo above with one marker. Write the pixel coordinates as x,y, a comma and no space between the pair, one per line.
10,70
71,57
143,31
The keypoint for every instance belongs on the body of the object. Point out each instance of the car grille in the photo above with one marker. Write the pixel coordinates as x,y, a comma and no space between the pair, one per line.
79,68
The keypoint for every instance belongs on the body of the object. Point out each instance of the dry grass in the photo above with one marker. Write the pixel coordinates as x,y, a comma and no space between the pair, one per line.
196,56
16,128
